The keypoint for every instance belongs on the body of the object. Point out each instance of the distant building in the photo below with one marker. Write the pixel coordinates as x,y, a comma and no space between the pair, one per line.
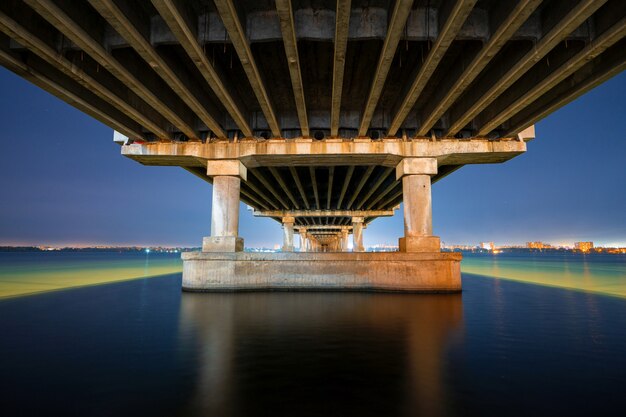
583,246
538,245
487,245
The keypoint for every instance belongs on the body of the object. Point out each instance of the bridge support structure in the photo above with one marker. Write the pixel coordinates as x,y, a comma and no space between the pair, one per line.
324,191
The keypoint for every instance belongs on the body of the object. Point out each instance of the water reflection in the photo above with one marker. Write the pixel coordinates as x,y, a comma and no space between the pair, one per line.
318,353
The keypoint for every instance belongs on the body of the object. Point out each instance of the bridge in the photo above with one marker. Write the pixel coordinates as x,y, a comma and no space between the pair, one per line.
322,115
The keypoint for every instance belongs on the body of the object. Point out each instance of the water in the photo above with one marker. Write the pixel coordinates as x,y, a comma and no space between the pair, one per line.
140,347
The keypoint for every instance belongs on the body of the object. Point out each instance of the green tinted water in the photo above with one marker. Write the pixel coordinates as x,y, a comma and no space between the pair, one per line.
23,273
598,273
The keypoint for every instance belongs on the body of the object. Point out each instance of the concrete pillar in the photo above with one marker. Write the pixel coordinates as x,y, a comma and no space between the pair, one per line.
357,234
303,242
288,234
227,175
344,240
417,199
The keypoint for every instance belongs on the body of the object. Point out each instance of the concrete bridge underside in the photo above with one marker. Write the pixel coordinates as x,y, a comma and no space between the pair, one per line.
323,115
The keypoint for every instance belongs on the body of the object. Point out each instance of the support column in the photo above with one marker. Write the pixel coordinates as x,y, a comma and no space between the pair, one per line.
303,240
344,240
227,175
416,192
357,234
288,234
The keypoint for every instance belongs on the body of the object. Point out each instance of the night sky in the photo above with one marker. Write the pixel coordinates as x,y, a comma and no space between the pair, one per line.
63,182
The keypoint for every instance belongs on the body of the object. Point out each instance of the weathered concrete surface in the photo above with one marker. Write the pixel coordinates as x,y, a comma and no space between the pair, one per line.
385,271
222,244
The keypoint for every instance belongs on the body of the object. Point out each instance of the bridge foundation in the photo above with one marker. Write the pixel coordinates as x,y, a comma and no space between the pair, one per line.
331,271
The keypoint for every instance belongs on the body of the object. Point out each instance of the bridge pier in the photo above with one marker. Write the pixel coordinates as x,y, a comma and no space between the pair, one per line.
415,174
288,234
357,234
227,177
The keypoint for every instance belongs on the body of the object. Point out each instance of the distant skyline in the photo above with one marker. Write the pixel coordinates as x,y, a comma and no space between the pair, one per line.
63,182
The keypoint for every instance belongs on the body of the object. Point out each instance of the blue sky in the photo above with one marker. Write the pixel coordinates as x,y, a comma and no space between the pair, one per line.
63,182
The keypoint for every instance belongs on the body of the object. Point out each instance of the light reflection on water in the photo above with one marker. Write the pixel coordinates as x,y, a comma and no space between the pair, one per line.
307,351
144,348
599,273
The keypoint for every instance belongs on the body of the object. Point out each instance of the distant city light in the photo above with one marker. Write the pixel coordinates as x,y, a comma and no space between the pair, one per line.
147,250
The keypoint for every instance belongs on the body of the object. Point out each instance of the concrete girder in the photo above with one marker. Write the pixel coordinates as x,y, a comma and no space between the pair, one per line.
88,38
323,213
514,15
361,184
55,82
458,12
314,182
287,27
255,154
282,184
594,73
370,22
29,37
392,186
324,227
296,179
331,174
342,26
344,188
228,14
186,33
394,33
375,187
257,173
476,100
523,97
135,29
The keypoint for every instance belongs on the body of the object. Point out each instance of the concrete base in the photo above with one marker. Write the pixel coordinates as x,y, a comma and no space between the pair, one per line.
383,271
222,244
427,244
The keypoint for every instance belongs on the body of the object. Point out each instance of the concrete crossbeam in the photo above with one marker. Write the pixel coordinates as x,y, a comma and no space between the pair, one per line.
323,213
321,153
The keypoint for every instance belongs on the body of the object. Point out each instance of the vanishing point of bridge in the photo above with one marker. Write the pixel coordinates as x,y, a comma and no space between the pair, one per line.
323,115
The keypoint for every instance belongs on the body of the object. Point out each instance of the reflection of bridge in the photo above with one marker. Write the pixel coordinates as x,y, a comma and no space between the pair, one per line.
338,110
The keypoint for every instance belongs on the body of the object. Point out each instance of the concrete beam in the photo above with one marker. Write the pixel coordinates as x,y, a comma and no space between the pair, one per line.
324,227
398,19
344,188
323,213
257,173
284,186
184,28
30,34
509,16
135,28
233,168
228,14
287,27
296,179
361,184
476,101
314,183
374,188
255,154
342,26
453,21
382,194
416,166
331,174
604,41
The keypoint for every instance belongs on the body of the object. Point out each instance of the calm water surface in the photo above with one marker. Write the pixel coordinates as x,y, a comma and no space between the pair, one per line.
141,347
